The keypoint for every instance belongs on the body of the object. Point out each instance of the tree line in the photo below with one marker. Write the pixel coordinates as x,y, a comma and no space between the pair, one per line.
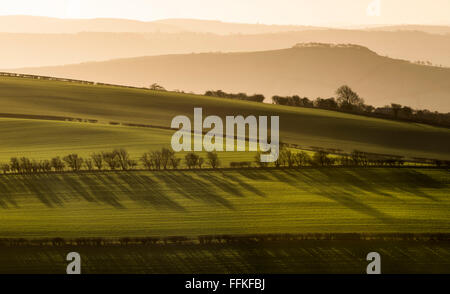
321,158
238,96
347,100
118,159
219,239
165,158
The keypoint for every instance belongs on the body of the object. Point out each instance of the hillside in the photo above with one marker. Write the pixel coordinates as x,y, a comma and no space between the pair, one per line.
43,49
303,126
306,70
432,29
193,203
50,25
44,139
227,28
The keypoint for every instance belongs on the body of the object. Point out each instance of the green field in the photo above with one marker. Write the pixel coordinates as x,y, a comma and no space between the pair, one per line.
44,139
249,201
294,257
192,203
302,126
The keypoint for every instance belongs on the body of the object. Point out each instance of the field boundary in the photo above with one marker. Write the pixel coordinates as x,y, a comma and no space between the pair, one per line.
332,151
225,239
253,168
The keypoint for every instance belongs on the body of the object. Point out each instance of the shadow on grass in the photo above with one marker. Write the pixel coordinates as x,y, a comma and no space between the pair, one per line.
194,188
348,187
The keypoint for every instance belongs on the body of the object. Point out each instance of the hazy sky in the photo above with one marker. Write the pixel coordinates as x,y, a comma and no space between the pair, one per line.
302,12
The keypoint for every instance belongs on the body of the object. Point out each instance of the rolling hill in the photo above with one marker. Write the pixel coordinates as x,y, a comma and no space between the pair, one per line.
102,214
50,25
303,126
41,49
29,41
193,203
431,29
312,70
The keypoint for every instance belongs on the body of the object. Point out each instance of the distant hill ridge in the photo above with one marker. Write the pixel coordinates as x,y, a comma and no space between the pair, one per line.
308,70
42,41
330,45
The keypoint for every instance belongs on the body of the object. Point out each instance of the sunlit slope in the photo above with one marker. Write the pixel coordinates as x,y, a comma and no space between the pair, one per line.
306,127
192,203
311,70
44,139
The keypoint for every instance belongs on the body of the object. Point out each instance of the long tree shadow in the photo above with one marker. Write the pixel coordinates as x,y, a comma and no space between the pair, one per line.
41,186
352,182
243,184
194,188
97,192
7,199
147,191
254,174
221,182
346,199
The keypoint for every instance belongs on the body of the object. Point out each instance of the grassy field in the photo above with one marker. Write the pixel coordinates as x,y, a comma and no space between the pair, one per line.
44,139
206,202
252,201
295,257
306,127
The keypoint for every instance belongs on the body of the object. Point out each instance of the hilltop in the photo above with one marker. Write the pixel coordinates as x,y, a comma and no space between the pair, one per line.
311,70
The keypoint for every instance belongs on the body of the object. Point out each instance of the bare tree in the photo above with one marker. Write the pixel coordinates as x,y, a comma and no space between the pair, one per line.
302,158
15,165
191,160
25,165
57,164
156,157
45,166
321,158
111,159
98,160
287,157
157,87
74,161
200,162
89,164
213,159
122,157
166,155
175,162
132,164
147,161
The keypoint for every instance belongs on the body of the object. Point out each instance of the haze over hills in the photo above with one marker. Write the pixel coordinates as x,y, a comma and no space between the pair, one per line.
431,29
307,70
227,28
51,25
31,50
48,25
